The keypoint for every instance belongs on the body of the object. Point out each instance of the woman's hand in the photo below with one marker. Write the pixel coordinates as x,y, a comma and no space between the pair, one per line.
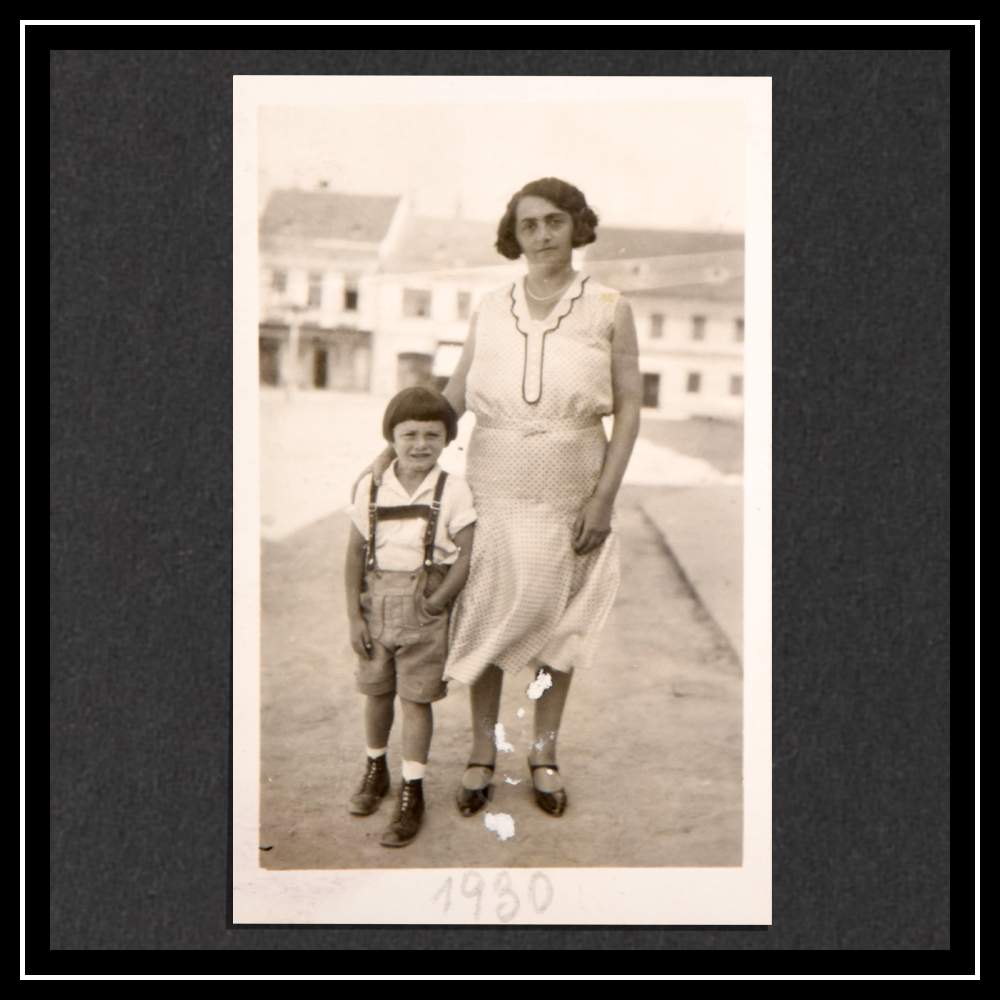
592,525
594,522
377,469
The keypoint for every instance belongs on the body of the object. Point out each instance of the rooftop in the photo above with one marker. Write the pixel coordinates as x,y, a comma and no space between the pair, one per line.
729,290
616,242
716,276
427,244
317,215
679,263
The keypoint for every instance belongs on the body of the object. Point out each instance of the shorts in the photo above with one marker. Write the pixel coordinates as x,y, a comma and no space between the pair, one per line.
409,644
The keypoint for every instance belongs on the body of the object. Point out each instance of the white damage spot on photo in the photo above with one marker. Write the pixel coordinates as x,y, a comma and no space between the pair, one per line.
502,824
512,781
500,738
520,713
539,685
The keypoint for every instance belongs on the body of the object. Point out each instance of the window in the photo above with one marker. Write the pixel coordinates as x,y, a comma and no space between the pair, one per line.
739,330
694,382
279,281
650,390
698,328
735,385
350,297
270,364
656,327
315,290
464,304
416,302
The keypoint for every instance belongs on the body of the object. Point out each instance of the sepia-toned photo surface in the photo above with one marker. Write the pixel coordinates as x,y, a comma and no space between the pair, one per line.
366,214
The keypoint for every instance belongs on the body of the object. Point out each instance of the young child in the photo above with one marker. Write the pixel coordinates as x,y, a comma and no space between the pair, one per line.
407,559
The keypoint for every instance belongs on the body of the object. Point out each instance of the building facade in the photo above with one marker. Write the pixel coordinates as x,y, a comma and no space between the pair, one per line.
320,257
359,295
686,292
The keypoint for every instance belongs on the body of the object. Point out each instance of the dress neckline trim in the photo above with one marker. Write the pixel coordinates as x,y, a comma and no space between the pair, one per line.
534,331
523,319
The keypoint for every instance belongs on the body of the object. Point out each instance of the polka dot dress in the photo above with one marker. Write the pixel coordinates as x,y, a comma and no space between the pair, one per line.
538,389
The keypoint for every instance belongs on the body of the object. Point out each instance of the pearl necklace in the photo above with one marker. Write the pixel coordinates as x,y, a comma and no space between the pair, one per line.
546,298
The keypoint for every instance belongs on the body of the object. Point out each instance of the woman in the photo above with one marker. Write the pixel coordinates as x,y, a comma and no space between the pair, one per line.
546,357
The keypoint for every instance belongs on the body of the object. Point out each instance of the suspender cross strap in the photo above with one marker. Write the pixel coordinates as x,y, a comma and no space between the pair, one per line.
431,513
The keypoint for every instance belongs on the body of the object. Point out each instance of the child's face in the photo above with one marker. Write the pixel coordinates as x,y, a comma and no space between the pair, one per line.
418,444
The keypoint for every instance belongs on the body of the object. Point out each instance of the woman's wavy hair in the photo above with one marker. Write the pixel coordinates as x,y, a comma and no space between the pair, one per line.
569,198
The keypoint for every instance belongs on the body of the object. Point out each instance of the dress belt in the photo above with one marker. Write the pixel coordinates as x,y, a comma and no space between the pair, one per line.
528,427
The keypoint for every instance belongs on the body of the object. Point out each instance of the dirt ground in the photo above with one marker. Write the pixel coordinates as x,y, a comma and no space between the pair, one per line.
650,748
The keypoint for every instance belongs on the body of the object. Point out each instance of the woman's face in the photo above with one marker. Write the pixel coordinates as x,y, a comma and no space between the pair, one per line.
544,232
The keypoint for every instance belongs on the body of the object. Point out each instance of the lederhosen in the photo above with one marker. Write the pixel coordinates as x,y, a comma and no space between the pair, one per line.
411,642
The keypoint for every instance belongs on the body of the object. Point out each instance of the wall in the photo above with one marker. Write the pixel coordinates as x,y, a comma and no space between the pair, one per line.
717,358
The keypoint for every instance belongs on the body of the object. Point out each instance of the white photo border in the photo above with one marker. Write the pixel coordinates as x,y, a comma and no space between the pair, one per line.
591,896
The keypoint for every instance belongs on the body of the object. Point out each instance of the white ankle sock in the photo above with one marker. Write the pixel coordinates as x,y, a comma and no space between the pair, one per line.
413,770
376,753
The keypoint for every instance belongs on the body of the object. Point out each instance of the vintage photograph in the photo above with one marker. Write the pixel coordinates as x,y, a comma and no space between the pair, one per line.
499,364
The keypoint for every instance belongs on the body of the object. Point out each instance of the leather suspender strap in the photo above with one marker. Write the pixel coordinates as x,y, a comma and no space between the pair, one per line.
433,520
431,513
372,521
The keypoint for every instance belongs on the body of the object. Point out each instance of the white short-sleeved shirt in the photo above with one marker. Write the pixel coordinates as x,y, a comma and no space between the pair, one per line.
399,545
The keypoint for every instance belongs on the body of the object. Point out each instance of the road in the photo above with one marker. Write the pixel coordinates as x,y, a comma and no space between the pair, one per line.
650,748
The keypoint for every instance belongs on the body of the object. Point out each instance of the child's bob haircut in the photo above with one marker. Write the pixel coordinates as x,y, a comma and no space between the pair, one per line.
419,403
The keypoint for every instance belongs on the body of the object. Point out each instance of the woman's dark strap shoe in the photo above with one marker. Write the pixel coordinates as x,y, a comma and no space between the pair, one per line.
471,800
554,803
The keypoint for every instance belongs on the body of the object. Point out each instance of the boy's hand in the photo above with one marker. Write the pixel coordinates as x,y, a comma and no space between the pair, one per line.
361,641
432,606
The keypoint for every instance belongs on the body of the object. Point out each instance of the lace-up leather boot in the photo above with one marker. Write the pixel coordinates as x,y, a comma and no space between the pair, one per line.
409,812
373,787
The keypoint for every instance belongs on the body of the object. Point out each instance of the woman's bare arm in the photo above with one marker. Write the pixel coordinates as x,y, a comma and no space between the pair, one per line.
627,386
454,391
594,522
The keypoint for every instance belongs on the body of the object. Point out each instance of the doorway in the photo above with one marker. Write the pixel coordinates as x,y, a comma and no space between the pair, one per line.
319,368
651,390
413,368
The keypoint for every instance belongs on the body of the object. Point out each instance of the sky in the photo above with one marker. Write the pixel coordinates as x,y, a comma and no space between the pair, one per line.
664,164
